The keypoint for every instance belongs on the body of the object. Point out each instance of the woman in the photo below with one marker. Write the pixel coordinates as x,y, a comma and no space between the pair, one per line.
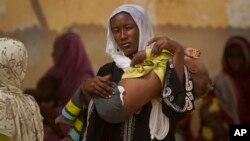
20,118
232,84
129,31
71,65
54,89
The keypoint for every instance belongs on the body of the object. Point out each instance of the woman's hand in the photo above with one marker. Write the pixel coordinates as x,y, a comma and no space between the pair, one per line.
174,47
99,86
161,43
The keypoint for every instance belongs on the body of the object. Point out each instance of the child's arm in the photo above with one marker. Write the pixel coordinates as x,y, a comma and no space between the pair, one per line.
73,108
63,119
76,129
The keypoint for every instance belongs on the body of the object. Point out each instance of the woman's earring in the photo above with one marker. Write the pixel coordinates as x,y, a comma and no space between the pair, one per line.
117,50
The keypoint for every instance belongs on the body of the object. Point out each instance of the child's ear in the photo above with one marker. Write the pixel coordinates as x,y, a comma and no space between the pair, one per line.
192,68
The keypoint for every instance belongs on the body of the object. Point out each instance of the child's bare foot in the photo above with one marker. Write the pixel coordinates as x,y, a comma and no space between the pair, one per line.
62,119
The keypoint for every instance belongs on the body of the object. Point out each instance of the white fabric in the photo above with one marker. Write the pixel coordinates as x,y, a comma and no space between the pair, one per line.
20,117
159,124
145,29
121,90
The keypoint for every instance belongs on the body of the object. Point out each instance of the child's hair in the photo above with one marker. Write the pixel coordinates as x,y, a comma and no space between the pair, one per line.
47,88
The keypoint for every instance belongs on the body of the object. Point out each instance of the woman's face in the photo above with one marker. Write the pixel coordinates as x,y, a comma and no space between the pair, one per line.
235,59
125,33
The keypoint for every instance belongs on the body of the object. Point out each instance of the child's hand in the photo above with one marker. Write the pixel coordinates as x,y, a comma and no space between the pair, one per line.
192,52
138,58
62,119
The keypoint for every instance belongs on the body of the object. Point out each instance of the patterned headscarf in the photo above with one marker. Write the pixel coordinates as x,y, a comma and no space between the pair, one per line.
13,62
20,117
71,65
145,33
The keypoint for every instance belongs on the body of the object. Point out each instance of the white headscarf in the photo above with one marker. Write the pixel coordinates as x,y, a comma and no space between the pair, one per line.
20,117
145,33
158,123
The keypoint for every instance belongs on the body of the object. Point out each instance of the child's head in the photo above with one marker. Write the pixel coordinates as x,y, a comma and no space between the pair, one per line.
46,89
199,74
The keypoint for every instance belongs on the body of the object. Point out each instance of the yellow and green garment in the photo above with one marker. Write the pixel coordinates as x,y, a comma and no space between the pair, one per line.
157,64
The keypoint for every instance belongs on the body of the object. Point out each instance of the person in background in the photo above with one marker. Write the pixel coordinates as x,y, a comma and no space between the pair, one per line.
20,118
71,65
232,84
184,132
49,105
213,126
54,89
228,102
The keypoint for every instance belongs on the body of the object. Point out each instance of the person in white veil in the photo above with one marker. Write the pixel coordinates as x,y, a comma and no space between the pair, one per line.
129,32
20,118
